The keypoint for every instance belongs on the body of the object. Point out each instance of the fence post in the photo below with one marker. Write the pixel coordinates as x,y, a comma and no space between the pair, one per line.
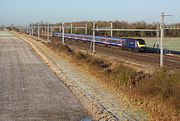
63,33
161,40
111,29
86,29
38,32
48,32
94,27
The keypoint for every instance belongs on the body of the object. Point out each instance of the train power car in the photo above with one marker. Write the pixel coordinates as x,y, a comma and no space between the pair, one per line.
134,45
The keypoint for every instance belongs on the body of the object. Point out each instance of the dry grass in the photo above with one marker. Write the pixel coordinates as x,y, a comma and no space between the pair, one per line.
161,94
157,93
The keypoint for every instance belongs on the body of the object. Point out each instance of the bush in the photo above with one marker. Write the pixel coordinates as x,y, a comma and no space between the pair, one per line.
65,48
82,57
166,83
123,75
57,45
162,83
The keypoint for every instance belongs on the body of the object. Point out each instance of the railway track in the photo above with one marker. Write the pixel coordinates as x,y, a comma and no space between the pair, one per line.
144,58
172,62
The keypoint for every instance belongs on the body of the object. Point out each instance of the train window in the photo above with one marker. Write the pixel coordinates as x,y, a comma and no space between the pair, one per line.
131,43
141,41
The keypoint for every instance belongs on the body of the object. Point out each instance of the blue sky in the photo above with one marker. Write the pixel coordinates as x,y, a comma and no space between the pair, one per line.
21,12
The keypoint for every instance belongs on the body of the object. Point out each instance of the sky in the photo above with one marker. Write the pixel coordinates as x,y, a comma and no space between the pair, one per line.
22,12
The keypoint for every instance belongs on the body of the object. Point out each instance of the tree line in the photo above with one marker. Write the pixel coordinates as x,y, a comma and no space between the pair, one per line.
122,25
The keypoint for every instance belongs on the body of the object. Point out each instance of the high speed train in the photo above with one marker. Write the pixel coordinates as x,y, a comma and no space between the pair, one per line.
125,43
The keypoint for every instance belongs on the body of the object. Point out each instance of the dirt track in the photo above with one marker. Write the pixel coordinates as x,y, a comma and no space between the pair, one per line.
29,90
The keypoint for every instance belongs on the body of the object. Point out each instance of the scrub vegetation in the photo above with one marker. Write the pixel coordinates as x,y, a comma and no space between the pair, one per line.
158,93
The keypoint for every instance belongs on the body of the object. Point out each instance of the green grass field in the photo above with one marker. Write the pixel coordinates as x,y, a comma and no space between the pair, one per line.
169,43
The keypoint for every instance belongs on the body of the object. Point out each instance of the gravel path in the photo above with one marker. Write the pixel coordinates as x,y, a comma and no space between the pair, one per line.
29,90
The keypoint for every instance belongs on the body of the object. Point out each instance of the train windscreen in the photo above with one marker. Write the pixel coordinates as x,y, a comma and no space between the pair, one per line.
141,41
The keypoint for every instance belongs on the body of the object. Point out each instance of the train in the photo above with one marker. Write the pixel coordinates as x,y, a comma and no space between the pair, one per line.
132,44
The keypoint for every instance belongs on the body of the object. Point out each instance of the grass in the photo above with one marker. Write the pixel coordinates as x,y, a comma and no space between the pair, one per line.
159,91
169,43
164,83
